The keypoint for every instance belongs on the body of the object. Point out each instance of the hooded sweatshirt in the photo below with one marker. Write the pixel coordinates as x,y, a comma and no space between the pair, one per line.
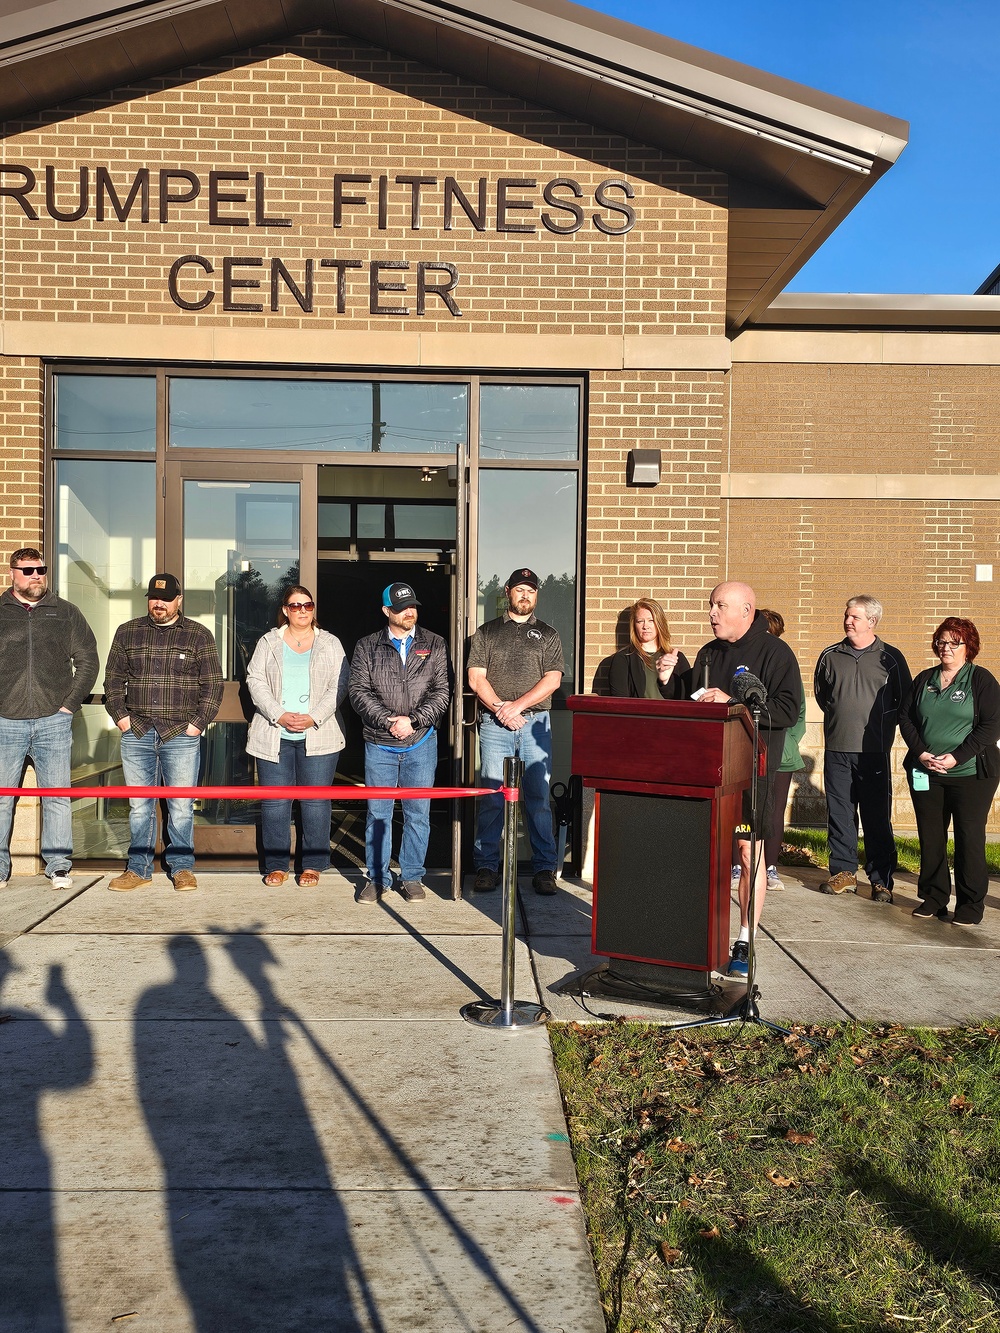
773,662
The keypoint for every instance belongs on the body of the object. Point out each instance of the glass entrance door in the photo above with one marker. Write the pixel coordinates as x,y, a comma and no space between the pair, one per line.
237,545
378,525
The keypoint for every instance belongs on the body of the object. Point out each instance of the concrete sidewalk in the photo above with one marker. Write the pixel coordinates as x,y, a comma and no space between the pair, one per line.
249,1108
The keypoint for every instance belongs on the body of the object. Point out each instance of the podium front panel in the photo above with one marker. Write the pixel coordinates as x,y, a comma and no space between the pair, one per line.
652,882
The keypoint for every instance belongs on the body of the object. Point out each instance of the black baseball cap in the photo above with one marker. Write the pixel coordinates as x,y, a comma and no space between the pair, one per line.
163,588
399,596
527,576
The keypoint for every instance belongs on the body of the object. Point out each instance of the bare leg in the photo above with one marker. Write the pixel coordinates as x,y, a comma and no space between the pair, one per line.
744,849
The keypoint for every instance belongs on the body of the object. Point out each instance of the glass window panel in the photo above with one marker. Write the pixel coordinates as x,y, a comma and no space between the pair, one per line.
105,412
334,520
425,522
529,518
270,414
422,418
371,522
529,421
105,556
241,549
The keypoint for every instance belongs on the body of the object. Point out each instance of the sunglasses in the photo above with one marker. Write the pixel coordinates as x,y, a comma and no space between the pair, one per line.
32,569
299,606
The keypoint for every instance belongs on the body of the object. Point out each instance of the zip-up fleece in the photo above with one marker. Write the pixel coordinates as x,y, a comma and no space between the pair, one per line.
48,657
860,697
327,688
380,686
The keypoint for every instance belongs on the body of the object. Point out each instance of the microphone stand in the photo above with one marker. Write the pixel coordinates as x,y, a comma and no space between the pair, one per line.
745,1010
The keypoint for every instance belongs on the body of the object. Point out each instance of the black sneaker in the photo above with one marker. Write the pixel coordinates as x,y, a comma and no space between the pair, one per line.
413,891
545,882
485,880
739,961
926,912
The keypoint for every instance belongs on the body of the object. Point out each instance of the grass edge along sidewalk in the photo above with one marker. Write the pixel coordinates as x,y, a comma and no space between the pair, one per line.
773,1186
808,846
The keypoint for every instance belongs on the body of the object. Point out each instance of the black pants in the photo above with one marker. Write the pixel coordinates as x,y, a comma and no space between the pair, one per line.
772,843
860,784
965,803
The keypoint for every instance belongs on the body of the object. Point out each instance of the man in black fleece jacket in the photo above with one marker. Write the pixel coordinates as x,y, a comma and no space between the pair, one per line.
741,640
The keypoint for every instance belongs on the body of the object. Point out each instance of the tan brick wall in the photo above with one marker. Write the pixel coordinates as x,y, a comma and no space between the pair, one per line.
21,391
322,105
661,542
856,418
805,557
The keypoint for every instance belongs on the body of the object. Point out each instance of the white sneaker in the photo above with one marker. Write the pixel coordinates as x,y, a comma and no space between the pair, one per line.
4,883
774,879
736,876
64,881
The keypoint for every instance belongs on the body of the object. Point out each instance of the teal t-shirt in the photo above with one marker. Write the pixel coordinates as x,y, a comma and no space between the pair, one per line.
947,716
294,687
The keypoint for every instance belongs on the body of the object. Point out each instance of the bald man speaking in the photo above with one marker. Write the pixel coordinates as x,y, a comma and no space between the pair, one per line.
742,641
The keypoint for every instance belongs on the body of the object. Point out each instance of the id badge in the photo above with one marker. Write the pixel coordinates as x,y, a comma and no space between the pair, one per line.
920,780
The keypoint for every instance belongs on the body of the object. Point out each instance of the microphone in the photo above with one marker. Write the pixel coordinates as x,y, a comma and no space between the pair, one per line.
749,689
704,677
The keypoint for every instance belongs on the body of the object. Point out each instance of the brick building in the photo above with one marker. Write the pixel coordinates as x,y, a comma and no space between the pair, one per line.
246,248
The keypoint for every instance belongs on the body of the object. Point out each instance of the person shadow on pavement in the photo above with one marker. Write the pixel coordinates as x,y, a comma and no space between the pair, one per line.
34,1058
260,1239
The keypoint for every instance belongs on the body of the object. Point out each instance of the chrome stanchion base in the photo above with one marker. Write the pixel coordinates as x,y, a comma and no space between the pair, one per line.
490,1014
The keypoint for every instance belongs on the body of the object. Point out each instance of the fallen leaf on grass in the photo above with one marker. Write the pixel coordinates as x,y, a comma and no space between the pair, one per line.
793,1136
670,1255
691,1110
782,1182
678,1145
709,1233
959,1106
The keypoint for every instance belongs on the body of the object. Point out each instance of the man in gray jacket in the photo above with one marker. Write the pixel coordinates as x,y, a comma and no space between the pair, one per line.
859,684
48,665
400,688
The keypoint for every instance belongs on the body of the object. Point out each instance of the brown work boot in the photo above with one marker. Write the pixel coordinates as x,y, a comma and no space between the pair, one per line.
842,882
183,880
127,881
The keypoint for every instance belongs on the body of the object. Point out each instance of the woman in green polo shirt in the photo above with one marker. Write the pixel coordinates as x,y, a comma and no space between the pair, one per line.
950,721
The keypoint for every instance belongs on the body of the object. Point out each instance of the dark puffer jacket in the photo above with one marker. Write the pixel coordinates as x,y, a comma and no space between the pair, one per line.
48,657
380,686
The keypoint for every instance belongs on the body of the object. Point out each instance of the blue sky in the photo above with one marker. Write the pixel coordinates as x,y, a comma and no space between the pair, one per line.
931,223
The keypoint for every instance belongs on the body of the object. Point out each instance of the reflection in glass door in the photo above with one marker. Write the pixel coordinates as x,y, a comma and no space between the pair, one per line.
241,551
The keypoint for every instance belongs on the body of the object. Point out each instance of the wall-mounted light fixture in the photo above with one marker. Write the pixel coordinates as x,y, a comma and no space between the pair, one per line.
642,467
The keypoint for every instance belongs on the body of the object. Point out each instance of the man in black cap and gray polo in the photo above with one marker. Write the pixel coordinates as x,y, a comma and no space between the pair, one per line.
163,687
515,666
400,689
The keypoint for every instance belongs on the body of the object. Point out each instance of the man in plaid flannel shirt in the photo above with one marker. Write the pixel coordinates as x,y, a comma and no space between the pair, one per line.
163,687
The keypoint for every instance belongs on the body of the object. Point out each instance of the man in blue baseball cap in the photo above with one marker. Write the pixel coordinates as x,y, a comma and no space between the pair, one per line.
400,688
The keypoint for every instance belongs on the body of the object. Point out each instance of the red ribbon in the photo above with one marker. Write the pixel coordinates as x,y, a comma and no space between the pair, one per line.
270,793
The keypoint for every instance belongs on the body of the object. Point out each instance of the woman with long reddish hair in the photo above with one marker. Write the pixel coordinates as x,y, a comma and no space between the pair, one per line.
950,721
650,667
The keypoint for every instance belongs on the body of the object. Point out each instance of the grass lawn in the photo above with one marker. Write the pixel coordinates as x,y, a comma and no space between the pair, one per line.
748,1183
813,842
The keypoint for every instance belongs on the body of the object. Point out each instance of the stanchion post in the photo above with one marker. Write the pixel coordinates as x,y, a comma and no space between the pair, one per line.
507,1012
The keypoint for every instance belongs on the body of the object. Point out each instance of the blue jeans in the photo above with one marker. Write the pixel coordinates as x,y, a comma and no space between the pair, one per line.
48,741
534,745
149,761
295,768
408,768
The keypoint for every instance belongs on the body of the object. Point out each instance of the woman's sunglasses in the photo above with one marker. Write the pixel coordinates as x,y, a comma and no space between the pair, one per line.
299,606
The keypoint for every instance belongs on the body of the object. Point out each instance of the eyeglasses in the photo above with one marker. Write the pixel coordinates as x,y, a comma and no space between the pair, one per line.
300,606
948,643
32,569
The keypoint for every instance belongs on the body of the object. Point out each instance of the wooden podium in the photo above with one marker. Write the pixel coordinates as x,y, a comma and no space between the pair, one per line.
669,779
